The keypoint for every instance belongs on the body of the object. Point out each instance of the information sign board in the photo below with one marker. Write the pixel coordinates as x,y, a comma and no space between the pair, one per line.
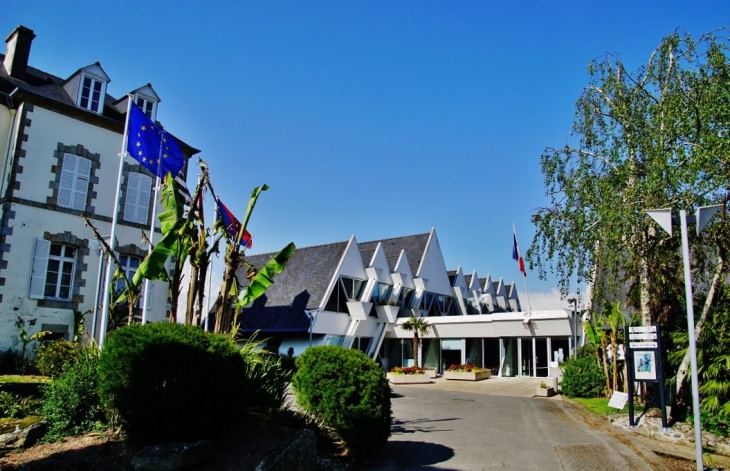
618,400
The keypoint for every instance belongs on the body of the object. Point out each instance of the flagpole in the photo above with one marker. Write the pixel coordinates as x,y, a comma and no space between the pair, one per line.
149,251
524,275
112,237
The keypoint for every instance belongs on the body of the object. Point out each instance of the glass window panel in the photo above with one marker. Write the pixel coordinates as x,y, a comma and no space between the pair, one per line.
56,249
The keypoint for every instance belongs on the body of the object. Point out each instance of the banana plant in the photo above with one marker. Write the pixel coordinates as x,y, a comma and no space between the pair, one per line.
230,301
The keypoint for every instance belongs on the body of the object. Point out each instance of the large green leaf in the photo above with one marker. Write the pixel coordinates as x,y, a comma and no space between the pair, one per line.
153,266
251,204
265,277
173,202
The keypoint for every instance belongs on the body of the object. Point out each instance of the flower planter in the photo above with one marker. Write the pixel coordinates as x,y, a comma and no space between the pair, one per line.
409,379
431,372
545,392
468,375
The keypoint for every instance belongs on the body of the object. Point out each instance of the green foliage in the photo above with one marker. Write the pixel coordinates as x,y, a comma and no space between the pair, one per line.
265,380
12,362
588,350
170,381
419,326
582,378
643,139
12,405
712,422
347,391
54,356
71,403
265,277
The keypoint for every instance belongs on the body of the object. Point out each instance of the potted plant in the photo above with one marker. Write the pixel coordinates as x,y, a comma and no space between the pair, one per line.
408,375
467,372
543,390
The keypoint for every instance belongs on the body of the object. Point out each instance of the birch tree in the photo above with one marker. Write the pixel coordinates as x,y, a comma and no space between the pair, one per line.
657,137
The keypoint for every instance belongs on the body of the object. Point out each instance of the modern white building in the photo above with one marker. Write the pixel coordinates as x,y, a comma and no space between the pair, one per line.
357,294
60,141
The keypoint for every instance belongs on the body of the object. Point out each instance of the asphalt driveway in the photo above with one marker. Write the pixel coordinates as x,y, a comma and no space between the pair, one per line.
497,424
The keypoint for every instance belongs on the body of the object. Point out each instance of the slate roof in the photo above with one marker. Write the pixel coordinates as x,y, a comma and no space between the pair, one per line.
50,87
300,286
304,281
414,245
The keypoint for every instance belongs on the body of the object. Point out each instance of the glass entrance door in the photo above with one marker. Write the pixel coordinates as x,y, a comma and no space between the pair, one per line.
527,360
541,358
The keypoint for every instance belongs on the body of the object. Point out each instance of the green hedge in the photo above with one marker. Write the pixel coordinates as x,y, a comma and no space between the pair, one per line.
71,403
582,377
172,382
349,392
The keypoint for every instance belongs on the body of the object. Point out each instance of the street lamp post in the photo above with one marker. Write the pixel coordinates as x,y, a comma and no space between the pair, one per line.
664,218
574,302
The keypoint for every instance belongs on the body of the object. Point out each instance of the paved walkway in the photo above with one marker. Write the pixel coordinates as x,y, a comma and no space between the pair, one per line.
634,448
498,424
495,386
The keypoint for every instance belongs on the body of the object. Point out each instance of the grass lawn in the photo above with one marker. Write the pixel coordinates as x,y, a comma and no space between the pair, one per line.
23,379
599,406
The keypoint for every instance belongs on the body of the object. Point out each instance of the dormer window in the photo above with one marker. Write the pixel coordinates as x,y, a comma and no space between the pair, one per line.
92,93
146,105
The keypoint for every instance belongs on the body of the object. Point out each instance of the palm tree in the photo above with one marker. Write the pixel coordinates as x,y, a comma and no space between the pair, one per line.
418,325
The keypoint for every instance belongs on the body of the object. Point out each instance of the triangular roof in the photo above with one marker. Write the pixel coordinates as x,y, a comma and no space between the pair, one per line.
414,245
302,285
308,275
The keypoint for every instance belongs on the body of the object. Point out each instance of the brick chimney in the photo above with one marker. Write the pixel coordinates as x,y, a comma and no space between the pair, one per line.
18,51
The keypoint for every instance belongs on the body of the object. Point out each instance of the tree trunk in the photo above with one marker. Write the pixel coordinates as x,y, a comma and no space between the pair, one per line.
192,294
223,313
684,366
202,276
604,344
415,349
614,364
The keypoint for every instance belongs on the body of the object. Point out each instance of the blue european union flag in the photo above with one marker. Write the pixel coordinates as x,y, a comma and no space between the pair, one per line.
152,146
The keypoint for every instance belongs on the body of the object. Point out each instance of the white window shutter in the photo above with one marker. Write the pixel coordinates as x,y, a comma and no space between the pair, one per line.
81,187
38,269
66,186
143,203
131,198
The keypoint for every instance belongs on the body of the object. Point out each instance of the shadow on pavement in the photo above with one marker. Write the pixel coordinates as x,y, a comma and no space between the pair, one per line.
410,455
418,425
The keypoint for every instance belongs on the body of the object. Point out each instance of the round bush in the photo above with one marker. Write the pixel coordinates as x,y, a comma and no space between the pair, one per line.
71,403
172,382
582,377
52,357
349,392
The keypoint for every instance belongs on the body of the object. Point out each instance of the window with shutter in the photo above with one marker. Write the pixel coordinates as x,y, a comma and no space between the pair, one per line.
74,183
53,270
38,269
137,199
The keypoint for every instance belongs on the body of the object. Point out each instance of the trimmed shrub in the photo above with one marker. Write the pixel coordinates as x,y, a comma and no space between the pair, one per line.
173,382
71,403
347,391
582,377
53,357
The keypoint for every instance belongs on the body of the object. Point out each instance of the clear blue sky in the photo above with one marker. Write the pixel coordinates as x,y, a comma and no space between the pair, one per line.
373,118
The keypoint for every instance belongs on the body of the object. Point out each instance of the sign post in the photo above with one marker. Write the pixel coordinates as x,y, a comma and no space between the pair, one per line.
644,364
